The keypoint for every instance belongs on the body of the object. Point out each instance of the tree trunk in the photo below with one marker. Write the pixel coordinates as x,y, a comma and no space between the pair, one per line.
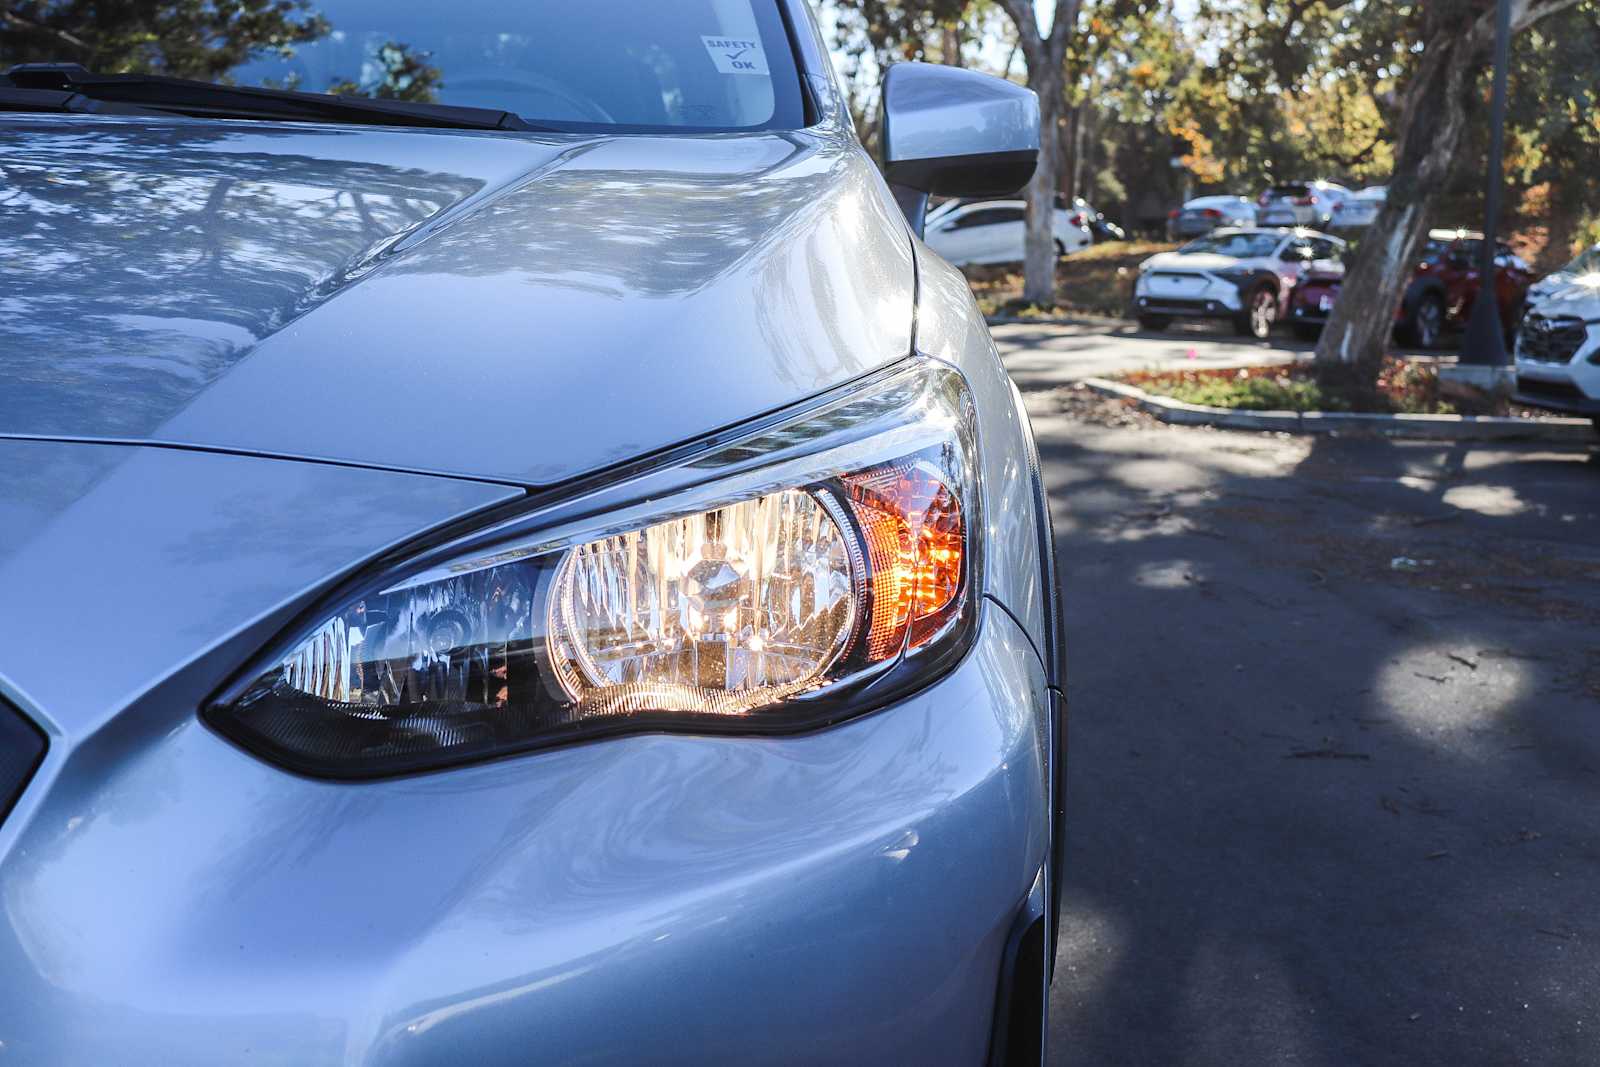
950,45
1438,103
1039,267
1046,59
1434,118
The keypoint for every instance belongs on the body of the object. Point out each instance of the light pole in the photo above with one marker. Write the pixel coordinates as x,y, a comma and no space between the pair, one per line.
1484,343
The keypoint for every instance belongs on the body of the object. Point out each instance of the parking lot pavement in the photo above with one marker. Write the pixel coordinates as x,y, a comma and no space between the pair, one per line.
1044,355
1334,747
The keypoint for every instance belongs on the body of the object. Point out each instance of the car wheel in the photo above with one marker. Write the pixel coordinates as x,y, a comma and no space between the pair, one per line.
1426,325
1061,249
1259,316
1307,331
1154,322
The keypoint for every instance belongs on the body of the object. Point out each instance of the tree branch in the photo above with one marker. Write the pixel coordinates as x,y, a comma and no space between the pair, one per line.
1524,13
1021,14
29,26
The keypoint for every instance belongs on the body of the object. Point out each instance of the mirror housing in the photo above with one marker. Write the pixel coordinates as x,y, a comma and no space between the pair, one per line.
948,131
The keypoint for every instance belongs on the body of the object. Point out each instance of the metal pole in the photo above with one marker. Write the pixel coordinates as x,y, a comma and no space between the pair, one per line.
1484,342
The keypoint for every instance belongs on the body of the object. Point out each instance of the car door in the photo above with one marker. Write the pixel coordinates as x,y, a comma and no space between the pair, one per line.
956,236
1001,236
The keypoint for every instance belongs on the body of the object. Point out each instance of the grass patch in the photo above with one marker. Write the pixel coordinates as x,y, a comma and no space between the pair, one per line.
1096,281
1404,388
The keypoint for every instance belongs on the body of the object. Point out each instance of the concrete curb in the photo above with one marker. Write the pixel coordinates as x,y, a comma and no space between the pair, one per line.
1433,427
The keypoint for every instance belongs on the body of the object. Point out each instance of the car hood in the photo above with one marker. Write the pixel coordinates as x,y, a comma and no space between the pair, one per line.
509,307
1567,296
1190,261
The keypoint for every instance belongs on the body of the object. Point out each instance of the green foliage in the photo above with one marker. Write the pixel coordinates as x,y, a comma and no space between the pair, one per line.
1296,88
184,38
1402,387
400,74
1247,394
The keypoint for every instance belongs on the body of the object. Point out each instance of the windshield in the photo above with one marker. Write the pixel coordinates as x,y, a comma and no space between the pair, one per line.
1238,245
702,65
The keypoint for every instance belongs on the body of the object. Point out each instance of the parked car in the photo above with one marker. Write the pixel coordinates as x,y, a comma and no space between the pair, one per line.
1558,346
1360,209
548,577
1300,203
1206,213
1083,213
1242,275
992,231
1584,264
1439,296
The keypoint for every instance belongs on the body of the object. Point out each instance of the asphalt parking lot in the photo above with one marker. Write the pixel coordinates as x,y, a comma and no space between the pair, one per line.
1334,740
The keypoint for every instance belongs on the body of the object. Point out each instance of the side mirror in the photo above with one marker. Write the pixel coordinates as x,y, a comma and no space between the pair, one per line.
948,131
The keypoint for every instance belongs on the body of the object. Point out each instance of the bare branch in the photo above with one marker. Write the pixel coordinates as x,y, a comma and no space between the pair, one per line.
21,23
1524,13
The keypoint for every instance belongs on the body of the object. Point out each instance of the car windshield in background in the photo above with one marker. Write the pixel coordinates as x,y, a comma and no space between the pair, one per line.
1586,263
633,64
1238,245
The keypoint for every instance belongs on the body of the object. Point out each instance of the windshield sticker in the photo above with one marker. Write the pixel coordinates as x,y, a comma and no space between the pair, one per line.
736,55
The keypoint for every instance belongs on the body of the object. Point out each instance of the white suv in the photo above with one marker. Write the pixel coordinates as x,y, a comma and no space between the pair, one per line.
1243,275
1558,346
991,231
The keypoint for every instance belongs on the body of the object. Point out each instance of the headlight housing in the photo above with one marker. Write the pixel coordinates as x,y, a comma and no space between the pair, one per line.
813,569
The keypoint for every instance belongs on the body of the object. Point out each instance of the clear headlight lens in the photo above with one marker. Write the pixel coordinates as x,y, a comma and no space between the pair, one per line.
760,587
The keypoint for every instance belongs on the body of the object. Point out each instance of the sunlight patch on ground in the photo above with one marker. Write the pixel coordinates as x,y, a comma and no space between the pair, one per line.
1452,694
1168,574
1090,948
1496,500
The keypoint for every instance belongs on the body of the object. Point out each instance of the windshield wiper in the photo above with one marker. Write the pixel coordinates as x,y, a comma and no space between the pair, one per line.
158,93
64,100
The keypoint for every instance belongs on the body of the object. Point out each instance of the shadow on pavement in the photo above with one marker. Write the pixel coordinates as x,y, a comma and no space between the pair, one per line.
1334,750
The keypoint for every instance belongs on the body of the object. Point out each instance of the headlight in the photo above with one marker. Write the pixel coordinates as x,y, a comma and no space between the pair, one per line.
811,570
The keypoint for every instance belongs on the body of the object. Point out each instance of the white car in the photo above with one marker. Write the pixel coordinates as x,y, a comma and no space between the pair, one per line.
1300,203
1359,209
1558,343
1242,275
991,231
1586,263
1206,213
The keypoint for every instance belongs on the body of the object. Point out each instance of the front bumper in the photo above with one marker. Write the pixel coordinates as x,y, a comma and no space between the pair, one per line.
1554,391
842,896
1571,386
1214,298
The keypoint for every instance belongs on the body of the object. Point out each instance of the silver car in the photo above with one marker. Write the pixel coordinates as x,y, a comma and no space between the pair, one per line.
1360,209
1300,203
1206,213
553,574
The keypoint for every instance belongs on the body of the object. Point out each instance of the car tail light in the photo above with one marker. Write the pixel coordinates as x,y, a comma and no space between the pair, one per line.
1212,213
1079,219
1304,201
1173,213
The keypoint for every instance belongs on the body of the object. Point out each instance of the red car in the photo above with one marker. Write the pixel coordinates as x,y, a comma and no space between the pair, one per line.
1439,297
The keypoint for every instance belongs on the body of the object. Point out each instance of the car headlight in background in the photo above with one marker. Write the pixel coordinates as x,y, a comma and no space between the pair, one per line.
810,571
